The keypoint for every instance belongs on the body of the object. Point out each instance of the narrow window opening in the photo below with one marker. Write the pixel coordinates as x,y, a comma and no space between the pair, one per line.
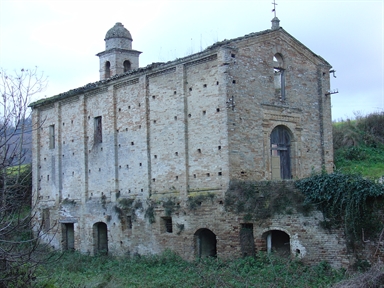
177,153
174,92
175,117
177,177
233,55
204,112
46,219
129,221
51,136
98,132
217,82
155,156
279,76
199,150
153,97
189,115
220,173
190,88
233,81
167,225
219,147
132,143
194,175
205,85
218,110
208,175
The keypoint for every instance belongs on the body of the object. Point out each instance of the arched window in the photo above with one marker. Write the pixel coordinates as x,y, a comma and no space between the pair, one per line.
127,66
107,69
100,238
279,76
281,153
205,243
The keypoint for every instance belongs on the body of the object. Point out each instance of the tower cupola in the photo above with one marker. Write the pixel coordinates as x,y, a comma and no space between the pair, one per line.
118,37
118,56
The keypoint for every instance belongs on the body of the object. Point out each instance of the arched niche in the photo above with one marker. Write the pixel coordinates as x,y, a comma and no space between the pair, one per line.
205,243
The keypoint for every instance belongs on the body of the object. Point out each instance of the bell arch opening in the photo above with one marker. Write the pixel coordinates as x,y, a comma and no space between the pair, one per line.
107,69
100,238
205,243
281,153
127,66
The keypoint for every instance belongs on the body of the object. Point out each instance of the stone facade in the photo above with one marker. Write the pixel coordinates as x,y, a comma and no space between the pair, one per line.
109,156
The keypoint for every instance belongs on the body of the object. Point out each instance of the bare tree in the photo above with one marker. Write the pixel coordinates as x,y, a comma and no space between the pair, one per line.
20,250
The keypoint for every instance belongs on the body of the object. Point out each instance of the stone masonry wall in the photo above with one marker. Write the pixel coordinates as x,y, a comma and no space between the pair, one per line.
177,132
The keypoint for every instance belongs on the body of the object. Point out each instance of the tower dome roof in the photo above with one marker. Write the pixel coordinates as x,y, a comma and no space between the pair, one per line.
118,31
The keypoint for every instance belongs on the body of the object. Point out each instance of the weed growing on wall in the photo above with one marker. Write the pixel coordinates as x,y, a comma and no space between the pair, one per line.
127,207
261,200
150,212
194,202
170,206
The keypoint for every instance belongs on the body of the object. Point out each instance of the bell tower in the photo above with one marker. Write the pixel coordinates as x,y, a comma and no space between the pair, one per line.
118,56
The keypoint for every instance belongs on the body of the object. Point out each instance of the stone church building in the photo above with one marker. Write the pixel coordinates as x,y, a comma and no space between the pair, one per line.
118,162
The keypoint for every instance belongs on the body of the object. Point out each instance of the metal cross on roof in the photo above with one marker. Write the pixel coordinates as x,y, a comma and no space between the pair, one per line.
274,7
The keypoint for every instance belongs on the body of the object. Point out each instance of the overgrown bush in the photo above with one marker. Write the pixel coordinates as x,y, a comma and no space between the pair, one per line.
170,270
366,130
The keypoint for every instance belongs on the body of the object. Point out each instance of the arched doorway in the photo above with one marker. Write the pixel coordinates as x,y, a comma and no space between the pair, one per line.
100,238
281,153
278,242
205,243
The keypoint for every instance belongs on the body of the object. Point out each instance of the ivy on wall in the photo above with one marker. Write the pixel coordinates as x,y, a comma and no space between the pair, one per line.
349,201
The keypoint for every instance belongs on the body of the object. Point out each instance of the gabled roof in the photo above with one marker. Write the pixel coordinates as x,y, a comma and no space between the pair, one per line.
163,65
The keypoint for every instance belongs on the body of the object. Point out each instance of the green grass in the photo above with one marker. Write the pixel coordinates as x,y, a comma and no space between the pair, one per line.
169,270
364,160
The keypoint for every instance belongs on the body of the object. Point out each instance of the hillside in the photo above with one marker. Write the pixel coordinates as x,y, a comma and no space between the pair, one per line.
359,145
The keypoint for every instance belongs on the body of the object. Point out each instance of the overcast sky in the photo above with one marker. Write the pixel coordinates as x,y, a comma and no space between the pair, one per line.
61,38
